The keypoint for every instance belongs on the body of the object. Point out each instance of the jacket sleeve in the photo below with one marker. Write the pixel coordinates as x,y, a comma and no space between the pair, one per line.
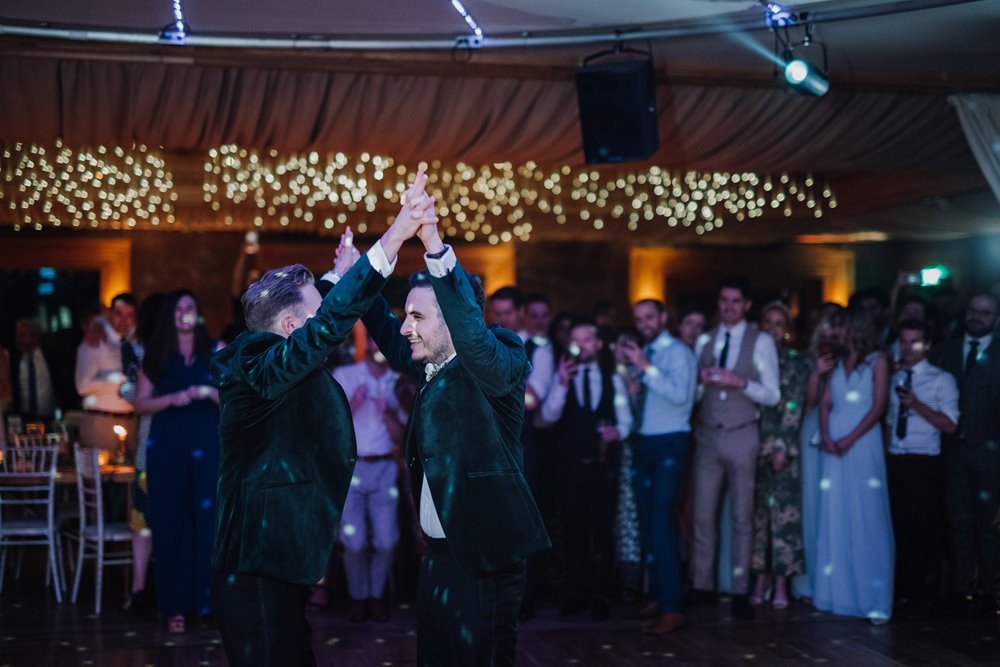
497,364
284,365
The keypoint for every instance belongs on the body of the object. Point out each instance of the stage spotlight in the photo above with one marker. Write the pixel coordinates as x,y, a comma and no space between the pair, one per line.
805,77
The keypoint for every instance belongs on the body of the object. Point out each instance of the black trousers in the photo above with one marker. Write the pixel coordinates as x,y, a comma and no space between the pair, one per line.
916,497
262,621
464,620
589,496
972,493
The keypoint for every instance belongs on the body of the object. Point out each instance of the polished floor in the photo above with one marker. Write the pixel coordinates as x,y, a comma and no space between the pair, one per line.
35,630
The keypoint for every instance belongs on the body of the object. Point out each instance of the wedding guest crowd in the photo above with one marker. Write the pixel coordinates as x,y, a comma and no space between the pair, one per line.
856,449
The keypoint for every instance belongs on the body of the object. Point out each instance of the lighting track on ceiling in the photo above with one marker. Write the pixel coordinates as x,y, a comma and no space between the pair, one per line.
745,23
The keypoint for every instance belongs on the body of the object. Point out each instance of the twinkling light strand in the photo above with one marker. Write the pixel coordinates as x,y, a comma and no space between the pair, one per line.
115,188
98,187
499,202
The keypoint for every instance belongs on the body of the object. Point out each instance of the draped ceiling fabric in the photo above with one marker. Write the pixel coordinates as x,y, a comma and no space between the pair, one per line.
194,108
885,140
980,117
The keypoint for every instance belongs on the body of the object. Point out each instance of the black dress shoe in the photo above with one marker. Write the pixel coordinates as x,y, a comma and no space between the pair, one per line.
985,605
600,610
742,609
572,607
700,598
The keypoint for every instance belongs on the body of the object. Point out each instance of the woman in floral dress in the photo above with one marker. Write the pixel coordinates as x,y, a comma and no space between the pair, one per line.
777,524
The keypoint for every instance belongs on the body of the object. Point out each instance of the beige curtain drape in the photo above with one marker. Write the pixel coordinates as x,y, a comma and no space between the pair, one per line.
479,120
980,118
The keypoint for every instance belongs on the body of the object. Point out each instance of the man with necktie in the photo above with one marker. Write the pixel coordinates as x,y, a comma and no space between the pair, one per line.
34,395
923,405
106,361
464,454
590,408
738,372
972,456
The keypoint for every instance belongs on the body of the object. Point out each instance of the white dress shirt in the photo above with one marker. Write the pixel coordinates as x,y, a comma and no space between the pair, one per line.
99,373
430,520
552,408
542,367
369,425
936,388
767,390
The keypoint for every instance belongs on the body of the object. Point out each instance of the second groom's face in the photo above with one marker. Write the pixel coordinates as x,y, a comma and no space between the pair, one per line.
424,327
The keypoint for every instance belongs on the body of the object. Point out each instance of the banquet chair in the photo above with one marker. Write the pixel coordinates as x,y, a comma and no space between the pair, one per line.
58,439
94,533
27,484
61,440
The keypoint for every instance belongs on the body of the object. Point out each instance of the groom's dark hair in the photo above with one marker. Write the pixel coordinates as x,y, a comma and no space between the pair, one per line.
423,279
276,290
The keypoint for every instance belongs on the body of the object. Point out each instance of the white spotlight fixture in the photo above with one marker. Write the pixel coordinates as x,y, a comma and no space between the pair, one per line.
805,77
794,72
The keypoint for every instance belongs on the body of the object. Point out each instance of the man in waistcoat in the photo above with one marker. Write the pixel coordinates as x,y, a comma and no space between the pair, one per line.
738,371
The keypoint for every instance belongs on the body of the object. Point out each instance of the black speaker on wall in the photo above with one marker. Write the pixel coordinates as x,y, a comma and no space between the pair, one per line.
618,111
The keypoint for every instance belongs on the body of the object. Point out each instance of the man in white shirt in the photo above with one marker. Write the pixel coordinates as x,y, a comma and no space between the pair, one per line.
108,358
374,495
922,406
738,371
589,405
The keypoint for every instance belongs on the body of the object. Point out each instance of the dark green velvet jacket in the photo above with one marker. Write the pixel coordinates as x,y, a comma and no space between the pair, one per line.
286,441
464,431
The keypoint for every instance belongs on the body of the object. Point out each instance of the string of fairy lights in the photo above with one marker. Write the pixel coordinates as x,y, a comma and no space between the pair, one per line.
114,188
98,188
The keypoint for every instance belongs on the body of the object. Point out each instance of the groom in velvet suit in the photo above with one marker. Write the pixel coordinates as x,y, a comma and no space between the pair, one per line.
287,447
464,454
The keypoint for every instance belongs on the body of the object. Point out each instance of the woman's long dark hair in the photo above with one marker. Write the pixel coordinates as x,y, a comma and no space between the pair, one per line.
862,333
162,347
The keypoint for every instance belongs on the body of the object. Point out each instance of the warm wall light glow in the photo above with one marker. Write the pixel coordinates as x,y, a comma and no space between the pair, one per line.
856,237
120,431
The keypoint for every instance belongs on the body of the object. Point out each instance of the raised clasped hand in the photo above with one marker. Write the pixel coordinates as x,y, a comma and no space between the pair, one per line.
417,211
346,254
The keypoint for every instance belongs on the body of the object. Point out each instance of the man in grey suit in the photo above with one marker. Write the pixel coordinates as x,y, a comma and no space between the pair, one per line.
738,370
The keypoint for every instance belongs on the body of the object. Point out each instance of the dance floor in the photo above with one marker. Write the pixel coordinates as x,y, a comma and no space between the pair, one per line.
34,630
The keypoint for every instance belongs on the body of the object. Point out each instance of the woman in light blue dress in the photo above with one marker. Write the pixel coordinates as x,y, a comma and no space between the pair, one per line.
827,343
855,549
